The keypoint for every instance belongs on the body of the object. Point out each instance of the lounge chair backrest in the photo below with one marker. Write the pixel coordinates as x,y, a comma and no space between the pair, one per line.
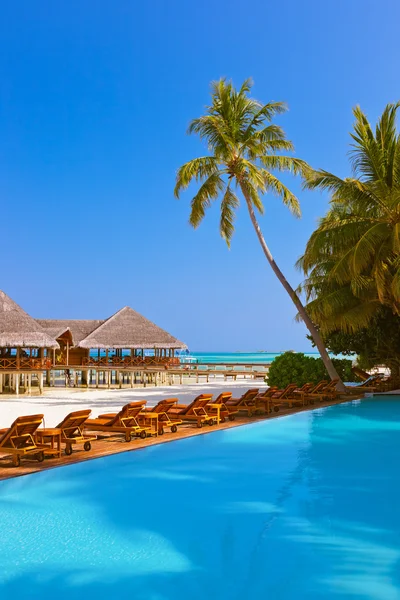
164,405
130,410
222,398
370,380
332,384
23,427
288,390
74,419
307,387
250,394
319,387
268,392
199,402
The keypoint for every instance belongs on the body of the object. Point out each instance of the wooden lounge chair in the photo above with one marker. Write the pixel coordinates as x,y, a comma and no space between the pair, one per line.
72,430
329,392
18,440
165,418
247,402
196,411
289,396
126,422
375,383
317,391
225,410
265,400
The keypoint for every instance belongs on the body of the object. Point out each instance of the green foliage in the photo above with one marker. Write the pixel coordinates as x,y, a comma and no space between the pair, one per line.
352,260
379,343
245,153
298,368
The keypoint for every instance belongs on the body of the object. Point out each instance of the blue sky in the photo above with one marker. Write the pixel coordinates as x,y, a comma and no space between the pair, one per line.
95,101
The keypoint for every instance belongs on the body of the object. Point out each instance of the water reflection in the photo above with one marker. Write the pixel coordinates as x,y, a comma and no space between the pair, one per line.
305,506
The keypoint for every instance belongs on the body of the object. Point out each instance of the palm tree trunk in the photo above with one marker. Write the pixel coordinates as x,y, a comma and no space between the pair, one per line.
295,299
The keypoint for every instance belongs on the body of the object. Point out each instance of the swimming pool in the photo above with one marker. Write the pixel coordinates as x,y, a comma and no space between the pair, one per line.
306,506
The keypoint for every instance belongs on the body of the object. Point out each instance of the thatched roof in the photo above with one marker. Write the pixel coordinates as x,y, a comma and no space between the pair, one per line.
18,329
79,328
128,329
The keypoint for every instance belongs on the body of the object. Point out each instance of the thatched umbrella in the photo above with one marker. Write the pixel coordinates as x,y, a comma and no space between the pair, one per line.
128,329
19,330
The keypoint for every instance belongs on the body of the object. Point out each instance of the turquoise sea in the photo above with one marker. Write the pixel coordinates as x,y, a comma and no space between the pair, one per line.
238,357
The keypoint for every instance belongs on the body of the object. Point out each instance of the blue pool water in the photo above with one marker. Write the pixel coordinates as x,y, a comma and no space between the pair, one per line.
306,507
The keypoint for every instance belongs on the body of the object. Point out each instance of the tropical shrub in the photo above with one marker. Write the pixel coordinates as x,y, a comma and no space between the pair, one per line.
298,368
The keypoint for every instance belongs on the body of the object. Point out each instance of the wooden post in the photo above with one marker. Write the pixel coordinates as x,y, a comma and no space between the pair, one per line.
1,383
18,359
67,353
17,383
40,376
97,377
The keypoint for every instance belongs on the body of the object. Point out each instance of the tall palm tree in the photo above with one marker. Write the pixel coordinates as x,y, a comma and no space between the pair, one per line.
352,260
244,154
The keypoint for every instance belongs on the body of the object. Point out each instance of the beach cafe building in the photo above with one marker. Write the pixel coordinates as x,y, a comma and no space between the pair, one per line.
125,348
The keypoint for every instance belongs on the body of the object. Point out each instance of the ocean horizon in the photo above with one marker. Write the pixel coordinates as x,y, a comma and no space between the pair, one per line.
241,357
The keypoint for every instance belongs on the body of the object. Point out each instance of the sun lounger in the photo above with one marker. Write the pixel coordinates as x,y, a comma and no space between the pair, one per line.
246,403
225,410
18,440
165,418
289,396
126,422
265,400
373,384
196,411
72,430
329,392
320,391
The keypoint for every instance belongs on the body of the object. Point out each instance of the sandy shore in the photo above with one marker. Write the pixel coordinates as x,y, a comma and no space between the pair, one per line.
56,403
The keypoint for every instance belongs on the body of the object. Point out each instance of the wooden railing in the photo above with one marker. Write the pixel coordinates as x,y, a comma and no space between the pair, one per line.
126,362
14,363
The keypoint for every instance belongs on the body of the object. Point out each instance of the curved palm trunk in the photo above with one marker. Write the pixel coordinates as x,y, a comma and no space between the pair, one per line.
295,299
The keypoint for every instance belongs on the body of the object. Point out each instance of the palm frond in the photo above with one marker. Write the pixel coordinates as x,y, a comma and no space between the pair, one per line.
197,169
208,192
230,202
274,185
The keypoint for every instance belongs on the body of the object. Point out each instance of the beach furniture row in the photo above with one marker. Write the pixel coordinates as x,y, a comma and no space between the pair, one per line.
26,437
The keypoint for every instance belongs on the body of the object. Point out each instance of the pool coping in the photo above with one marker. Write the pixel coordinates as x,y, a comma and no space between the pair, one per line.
108,446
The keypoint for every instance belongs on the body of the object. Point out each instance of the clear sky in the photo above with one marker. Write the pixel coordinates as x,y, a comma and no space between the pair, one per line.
95,100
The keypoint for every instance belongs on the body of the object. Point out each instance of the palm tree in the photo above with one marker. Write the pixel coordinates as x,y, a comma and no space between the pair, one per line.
244,154
352,260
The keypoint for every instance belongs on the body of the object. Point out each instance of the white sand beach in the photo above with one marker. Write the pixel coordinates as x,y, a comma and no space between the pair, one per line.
55,403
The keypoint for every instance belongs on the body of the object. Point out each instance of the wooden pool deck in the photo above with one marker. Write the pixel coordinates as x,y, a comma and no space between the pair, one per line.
108,445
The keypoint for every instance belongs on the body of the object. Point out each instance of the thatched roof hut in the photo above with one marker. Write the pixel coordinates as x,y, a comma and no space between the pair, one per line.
128,329
78,328
19,330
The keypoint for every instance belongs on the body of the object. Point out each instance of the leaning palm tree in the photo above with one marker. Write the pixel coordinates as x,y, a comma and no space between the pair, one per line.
352,260
245,151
